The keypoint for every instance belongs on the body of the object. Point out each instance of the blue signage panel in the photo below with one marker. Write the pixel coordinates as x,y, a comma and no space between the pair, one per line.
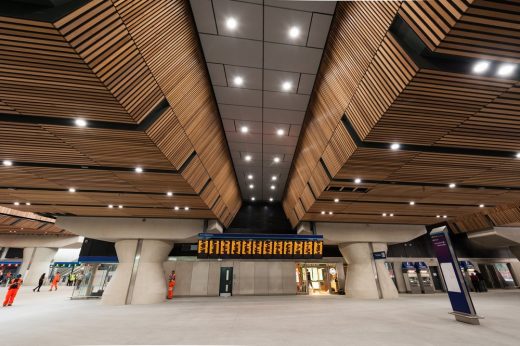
379,255
449,264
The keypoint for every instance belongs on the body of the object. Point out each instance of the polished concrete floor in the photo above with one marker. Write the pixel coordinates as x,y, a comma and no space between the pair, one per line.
50,318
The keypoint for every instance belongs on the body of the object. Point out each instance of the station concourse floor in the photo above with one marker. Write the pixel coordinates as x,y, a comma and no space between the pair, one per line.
51,318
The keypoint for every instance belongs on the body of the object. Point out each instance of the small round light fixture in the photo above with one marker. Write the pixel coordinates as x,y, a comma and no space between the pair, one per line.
7,163
244,129
251,186
384,214
444,216
518,155
412,202
138,169
274,178
16,203
481,206
186,208
395,146
452,185
286,86
322,212
294,32
357,181
248,158
80,122
120,206
231,23
176,208
438,216
273,187
72,189
27,203
250,176
276,159
330,213
481,66
280,132
110,206
169,193
391,214
271,199
506,70
336,200
238,81
253,199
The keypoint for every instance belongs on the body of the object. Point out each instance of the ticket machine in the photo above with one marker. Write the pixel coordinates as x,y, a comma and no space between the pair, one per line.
424,277
411,279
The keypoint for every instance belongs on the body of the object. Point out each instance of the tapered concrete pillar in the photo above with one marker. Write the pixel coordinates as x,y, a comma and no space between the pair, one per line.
388,289
41,260
399,278
26,260
367,278
139,277
360,281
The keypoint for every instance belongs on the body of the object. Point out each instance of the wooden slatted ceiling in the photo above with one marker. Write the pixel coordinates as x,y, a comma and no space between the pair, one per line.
470,28
355,36
41,74
113,50
169,45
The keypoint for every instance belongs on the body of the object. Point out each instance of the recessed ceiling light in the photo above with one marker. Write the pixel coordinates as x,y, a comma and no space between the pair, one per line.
481,66
16,203
176,208
7,163
438,216
273,187
231,23
27,203
271,199
276,159
80,122
322,212
481,206
274,178
72,190
111,206
391,214
517,156
247,157
286,86
336,200
444,216
506,70
280,132
357,181
250,176
120,206
412,203
251,186
169,193
384,214
138,169
253,199
395,146
294,32
186,208
244,129
452,185
238,81
330,213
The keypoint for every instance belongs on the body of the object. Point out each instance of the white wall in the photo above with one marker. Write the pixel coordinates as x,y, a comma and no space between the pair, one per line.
201,278
67,255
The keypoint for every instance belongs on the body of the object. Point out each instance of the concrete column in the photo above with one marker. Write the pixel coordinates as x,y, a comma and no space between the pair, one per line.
26,260
360,280
4,253
139,277
388,289
399,278
41,260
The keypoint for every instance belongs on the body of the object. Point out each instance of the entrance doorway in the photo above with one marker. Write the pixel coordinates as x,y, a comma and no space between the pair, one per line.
316,278
226,281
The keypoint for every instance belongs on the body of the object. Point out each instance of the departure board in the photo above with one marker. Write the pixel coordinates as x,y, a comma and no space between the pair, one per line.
216,246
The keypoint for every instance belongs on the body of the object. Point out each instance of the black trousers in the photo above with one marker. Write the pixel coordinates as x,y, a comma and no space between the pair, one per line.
40,284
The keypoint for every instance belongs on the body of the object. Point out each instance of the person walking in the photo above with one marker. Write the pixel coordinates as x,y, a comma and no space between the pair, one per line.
14,286
79,279
55,281
475,281
40,283
171,284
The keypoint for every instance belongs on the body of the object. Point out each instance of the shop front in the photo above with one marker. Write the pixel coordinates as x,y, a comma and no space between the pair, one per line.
317,278
92,276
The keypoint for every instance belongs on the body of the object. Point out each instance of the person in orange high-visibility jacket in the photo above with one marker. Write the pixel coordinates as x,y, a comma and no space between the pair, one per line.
55,281
171,285
13,290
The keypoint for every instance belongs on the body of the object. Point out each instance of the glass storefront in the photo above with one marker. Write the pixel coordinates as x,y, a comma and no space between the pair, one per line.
317,278
92,279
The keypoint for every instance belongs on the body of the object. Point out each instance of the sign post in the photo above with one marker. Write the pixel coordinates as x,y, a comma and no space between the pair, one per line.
461,303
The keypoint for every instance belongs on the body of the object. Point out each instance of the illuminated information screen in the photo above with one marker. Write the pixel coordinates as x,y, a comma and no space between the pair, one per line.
259,246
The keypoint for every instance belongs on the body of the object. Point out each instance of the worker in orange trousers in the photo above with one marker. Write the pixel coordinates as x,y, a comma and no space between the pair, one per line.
171,285
55,281
14,286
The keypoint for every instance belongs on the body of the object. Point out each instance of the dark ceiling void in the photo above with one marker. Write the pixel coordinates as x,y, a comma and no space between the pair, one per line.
41,10
261,218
